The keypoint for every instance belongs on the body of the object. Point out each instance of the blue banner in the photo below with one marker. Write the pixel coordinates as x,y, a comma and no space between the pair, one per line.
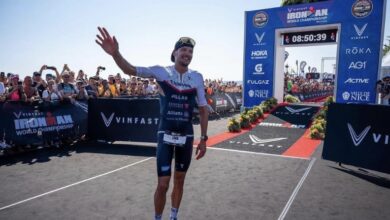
360,30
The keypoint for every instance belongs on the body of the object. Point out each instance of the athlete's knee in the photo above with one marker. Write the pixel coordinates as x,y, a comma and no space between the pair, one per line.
179,179
163,186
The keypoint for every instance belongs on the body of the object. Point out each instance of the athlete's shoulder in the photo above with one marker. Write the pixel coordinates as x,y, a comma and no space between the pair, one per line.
196,74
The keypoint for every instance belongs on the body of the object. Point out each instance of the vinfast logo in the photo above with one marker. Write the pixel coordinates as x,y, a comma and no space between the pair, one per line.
358,65
129,120
357,139
257,140
259,54
107,121
258,82
356,96
307,14
280,125
357,51
258,69
359,32
258,93
357,81
17,115
295,111
259,39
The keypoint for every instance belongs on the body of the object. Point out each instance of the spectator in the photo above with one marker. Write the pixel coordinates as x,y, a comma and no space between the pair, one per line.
51,94
133,88
38,82
123,88
106,91
148,89
81,77
15,91
30,91
81,91
112,85
66,89
92,87
2,83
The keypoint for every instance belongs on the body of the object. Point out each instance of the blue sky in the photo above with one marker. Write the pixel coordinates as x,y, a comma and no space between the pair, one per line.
52,32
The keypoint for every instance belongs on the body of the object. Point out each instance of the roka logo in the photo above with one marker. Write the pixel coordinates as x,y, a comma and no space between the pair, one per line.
357,139
108,121
257,140
294,111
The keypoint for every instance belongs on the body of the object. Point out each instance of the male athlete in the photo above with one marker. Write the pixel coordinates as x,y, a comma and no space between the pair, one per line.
180,90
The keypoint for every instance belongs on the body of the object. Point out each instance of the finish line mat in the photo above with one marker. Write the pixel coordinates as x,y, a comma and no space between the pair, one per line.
278,132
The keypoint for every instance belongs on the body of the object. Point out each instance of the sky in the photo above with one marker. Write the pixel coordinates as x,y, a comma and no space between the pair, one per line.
38,32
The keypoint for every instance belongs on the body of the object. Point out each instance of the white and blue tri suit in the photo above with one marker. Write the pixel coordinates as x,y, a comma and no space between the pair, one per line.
179,94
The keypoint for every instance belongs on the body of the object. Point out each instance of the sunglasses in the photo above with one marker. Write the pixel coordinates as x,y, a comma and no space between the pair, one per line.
187,40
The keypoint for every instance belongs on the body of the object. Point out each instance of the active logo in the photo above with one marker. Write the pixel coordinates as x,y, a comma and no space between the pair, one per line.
258,69
357,139
359,32
107,121
357,81
357,51
259,39
362,8
358,65
260,19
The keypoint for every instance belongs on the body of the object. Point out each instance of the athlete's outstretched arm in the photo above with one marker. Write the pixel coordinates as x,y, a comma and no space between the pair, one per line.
111,46
204,117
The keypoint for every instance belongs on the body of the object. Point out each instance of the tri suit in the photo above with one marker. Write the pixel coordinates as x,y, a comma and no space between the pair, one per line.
179,94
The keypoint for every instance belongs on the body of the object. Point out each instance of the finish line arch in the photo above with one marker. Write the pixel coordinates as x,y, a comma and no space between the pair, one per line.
355,25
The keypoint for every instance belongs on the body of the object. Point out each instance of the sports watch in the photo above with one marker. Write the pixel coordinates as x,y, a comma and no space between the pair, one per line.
204,137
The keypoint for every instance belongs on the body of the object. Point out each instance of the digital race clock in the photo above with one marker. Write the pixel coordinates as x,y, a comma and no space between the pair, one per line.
310,37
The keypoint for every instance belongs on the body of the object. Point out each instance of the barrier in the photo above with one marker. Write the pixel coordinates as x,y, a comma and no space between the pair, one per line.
313,95
358,135
23,123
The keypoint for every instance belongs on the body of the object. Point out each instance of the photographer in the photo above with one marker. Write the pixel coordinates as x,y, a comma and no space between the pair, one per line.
99,68
383,88
16,91
81,76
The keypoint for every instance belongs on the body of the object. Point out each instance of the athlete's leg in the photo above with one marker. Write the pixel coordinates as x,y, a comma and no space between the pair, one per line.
178,185
182,163
164,161
160,194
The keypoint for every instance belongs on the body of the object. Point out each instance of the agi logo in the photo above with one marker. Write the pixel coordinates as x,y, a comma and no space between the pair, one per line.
107,121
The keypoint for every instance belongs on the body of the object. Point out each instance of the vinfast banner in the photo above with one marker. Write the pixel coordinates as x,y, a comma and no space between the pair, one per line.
123,119
359,32
358,135
23,123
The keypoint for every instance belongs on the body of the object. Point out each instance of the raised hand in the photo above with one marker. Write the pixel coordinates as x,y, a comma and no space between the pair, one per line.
108,43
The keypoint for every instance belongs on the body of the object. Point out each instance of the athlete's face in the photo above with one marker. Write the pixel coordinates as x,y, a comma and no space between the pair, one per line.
183,56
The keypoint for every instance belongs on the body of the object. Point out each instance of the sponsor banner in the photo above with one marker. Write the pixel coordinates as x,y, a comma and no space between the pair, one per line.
124,119
358,135
291,116
360,24
313,95
223,102
34,124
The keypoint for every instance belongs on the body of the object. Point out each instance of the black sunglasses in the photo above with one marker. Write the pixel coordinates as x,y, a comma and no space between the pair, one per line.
187,40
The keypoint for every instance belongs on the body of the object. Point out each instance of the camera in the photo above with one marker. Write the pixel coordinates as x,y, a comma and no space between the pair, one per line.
20,83
102,68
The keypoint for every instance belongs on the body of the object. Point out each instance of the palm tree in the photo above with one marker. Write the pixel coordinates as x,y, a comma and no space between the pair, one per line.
386,48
